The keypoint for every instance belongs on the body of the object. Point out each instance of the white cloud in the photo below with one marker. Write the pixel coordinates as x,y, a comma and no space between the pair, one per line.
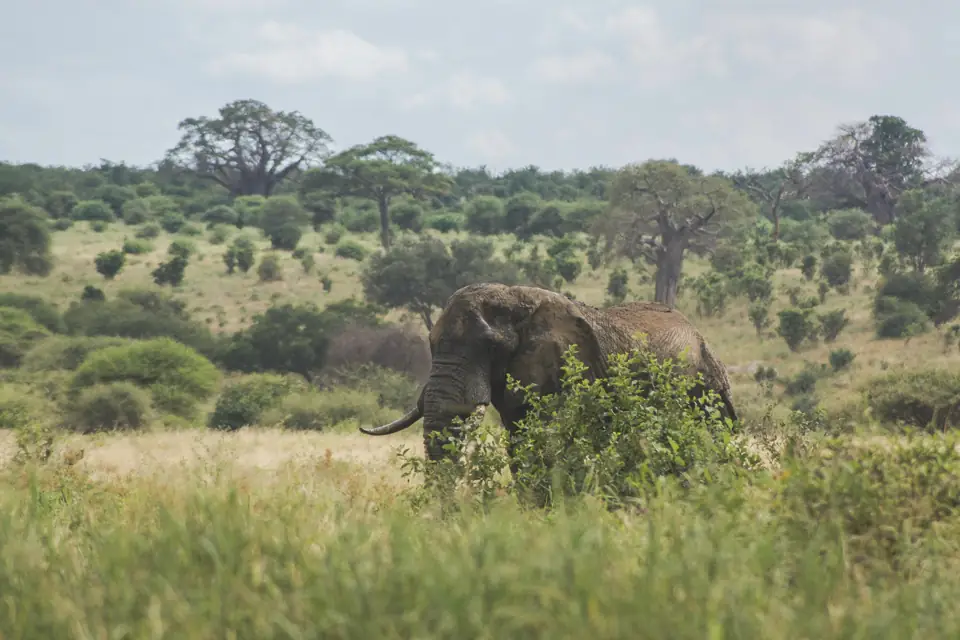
842,46
574,68
492,144
463,90
289,54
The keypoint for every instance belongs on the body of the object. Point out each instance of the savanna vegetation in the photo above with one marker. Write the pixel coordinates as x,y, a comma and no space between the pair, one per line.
186,350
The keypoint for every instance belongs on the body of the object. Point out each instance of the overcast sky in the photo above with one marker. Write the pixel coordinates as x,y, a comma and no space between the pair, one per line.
559,84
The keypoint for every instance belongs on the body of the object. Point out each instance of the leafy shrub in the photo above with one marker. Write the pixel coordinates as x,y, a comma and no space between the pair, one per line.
832,323
25,231
137,246
45,313
149,231
136,211
109,407
808,266
244,400
109,263
351,250
618,285
759,313
93,210
883,498
170,272
711,290
92,294
754,281
220,215
18,333
333,234
895,318
617,438
58,353
850,224
219,234
177,376
837,268
182,248
282,220
444,222
99,226
727,260
360,219
241,254
921,398
841,359
138,314
270,269
192,230
407,215
796,326
317,411
61,224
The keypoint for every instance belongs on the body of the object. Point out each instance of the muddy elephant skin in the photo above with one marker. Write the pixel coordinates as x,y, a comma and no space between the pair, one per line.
489,330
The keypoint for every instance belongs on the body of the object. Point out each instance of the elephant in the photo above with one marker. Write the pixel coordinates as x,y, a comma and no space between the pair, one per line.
489,330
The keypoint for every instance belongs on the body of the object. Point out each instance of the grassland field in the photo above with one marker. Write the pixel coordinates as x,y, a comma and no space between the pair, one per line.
265,533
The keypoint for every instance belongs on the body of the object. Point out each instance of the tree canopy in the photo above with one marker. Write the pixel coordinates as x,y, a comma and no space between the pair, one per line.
250,148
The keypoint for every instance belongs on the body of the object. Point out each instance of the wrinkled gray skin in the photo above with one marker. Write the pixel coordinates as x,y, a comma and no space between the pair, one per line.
489,330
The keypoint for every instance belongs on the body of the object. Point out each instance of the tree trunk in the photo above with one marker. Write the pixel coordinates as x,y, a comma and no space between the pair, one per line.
669,266
384,204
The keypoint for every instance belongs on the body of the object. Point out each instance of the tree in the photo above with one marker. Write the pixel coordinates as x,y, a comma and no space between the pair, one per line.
421,274
109,263
773,189
382,170
24,238
249,149
925,227
282,220
869,164
659,209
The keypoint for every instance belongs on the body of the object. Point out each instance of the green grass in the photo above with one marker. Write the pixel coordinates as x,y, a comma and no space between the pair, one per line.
189,533
317,547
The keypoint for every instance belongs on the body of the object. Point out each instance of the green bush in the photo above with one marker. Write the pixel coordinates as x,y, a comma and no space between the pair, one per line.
137,246
921,398
99,226
837,268
615,438
444,222
241,254
351,250
44,312
219,234
850,224
66,352
244,400
177,376
841,359
61,224
882,499
360,220
182,248
317,411
172,221
110,263
832,323
220,215
93,210
191,230
333,234
270,269
797,326
407,215
149,231
18,333
895,318
109,407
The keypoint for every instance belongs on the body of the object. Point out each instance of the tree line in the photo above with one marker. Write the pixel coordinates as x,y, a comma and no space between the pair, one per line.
251,165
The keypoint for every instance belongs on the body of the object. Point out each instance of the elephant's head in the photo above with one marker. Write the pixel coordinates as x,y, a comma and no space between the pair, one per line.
485,332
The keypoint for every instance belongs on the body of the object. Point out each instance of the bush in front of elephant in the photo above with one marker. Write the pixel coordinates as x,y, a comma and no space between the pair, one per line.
616,438
613,438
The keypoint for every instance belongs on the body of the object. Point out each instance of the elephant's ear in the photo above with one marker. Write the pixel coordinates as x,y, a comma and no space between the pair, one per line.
557,324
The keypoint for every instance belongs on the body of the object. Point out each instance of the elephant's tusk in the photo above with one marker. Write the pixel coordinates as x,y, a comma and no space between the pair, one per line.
397,425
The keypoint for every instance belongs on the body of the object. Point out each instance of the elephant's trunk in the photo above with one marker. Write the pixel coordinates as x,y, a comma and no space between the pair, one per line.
451,392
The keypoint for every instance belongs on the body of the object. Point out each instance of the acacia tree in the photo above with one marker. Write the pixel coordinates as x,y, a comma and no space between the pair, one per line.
387,167
772,189
249,149
421,274
869,164
659,209
24,238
